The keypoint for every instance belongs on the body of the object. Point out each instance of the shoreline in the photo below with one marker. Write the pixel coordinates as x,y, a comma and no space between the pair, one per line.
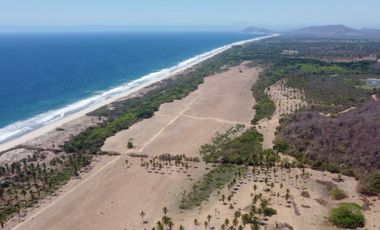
125,91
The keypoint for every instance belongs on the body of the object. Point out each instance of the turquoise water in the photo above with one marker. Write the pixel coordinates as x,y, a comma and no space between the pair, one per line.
45,72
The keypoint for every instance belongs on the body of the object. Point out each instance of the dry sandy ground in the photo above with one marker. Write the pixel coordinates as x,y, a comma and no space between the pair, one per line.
299,212
287,100
113,194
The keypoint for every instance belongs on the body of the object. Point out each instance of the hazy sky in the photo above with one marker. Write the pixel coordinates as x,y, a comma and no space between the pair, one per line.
219,14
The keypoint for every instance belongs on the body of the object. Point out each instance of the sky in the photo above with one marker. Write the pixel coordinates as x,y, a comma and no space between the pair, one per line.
188,14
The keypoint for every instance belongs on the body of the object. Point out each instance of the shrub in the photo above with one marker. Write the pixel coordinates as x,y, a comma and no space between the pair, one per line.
130,144
347,215
305,194
337,193
373,184
269,211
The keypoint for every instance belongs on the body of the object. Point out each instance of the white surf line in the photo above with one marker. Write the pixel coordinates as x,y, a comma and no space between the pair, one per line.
168,124
64,194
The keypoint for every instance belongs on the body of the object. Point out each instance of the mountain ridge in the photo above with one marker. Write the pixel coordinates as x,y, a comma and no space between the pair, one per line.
338,30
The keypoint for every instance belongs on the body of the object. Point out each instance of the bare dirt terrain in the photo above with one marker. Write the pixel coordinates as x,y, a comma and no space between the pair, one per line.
111,196
287,100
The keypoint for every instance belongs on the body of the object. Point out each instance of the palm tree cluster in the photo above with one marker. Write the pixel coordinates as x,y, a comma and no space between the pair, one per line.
25,182
165,161
166,222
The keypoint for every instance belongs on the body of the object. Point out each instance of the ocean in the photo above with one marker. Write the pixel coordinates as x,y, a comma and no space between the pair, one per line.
44,77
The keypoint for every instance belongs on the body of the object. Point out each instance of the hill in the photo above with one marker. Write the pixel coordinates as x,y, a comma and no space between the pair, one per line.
335,31
257,30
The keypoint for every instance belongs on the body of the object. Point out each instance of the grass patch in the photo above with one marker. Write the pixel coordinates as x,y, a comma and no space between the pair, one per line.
264,106
337,193
138,155
215,179
372,185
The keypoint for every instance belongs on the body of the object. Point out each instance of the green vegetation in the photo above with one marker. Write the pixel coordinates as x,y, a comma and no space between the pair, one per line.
264,107
347,215
245,149
215,179
34,182
269,211
337,193
130,143
373,184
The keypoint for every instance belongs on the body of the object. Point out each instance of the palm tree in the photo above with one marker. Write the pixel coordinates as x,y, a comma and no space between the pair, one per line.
165,210
287,195
226,222
166,220
237,214
206,224
235,222
170,224
209,217
142,214
245,219
196,223
160,226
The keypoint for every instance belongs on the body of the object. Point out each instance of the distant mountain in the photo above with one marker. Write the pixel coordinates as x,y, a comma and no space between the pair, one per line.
327,31
373,32
335,31
257,30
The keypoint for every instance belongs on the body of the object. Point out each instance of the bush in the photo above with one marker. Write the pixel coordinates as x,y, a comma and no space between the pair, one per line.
347,215
269,211
130,144
305,194
373,184
337,193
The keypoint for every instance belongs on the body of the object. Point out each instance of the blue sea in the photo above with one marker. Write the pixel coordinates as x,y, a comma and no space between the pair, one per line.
43,75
